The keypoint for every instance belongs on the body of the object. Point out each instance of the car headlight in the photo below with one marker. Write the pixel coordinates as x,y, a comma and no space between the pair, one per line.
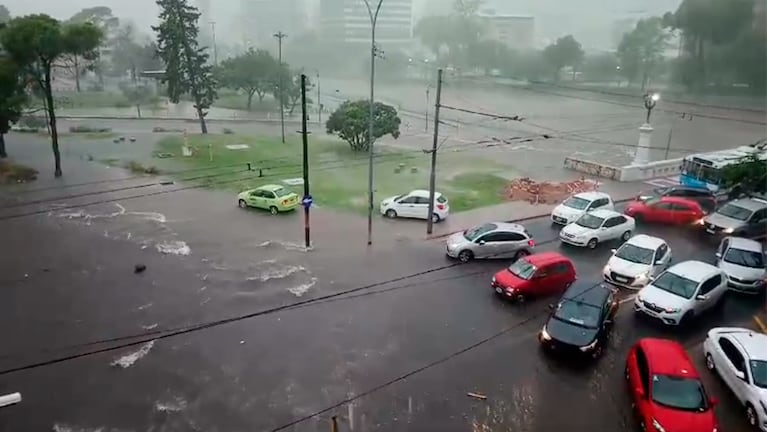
672,310
642,277
657,426
700,222
493,279
545,335
590,346
728,230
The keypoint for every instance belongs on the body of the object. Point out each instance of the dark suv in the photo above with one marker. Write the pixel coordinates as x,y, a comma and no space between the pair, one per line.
581,322
704,197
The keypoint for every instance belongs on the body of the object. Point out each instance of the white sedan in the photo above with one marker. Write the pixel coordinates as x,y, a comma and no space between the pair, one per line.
637,261
578,205
739,356
596,227
415,204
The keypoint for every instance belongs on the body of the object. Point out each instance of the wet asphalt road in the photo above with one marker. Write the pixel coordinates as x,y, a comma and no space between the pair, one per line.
67,278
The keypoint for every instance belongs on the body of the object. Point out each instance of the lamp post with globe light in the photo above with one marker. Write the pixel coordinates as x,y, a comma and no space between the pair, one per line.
650,99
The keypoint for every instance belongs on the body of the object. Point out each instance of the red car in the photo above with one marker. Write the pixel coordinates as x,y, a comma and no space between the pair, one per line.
666,390
667,210
535,275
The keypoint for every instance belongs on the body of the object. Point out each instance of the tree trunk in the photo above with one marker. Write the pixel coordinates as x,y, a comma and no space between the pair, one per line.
201,116
138,110
76,65
250,100
260,96
52,121
3,154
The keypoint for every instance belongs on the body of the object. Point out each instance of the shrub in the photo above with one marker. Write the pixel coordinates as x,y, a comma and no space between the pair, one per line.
13,173
31,122
88,129
228,131
136,167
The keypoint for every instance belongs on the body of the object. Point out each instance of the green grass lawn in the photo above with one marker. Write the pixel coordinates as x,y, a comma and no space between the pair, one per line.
338,177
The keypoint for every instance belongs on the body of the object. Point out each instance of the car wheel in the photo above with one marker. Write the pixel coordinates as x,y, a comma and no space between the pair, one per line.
273,210
597,351
626,236
751,417
521,254
592,244
435,218
391,214
519,298
710,362
242,204
465,256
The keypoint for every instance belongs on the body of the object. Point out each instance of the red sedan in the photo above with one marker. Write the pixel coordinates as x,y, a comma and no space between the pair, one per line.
666,389
535,275
667,210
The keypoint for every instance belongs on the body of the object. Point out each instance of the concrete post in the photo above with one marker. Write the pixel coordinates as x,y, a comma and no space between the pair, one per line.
642,155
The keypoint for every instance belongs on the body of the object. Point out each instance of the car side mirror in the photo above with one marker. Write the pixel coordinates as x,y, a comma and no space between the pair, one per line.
481,242
659,262
713,401
612,251
701,297
640,392
551,306
718,255
740,375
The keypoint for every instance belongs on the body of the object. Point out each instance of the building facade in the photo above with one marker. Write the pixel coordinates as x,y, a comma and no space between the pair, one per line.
261,19
348,21
515,31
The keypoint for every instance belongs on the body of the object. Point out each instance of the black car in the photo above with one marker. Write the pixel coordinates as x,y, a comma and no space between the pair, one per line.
704,197
582,320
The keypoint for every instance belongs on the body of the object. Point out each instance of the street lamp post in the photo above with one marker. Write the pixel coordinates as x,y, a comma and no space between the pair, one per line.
319,102
215,47
373,14
280,36
427,107
650,99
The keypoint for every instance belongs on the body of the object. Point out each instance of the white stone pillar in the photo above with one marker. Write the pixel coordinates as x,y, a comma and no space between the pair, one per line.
642,155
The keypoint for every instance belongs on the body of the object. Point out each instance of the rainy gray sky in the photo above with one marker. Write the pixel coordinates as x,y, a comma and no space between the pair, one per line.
588,20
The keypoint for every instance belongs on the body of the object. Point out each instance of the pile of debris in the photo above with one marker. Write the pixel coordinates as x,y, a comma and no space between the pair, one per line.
526,189
14,173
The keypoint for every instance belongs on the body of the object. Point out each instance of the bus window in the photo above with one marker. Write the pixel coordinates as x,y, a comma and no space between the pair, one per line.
710,175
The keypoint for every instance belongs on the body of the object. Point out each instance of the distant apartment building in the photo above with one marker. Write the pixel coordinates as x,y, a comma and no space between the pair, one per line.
261,19
348,21
515,31
759,20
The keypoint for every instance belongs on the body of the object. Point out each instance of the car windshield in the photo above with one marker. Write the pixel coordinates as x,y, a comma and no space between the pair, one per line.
589,221
576,203
745,258
281,192
679,393
635,254
522,269
675,284
735,212
471,234
578,313
660,191
759,372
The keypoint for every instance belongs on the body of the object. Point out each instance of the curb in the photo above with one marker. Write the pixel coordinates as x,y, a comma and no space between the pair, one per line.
760,324
524,219
176,119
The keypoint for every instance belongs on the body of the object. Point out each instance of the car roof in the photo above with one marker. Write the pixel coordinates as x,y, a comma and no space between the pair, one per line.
604,213
694,270
545,258
753,343
752,204
687,188
646,241
507,226
423,193
667,357
585,291
271,187
745,244
591,195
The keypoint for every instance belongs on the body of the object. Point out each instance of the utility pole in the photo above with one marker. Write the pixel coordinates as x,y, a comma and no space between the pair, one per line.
319,103
668,144
215,47
373,14
307,199
427,107
433,173
280,36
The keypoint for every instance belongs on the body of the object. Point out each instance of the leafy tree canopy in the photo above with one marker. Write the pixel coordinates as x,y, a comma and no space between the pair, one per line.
12,98
641,50
566,51
350,123
5,14
748,176
252,72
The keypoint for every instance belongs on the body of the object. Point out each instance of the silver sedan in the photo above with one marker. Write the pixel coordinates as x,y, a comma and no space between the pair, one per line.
491,240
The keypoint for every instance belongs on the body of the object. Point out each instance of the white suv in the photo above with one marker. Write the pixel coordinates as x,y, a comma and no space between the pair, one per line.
415,204
739,356
598,226
682,292
578,205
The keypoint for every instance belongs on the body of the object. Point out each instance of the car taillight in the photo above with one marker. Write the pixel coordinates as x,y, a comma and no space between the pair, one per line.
441,206
531,242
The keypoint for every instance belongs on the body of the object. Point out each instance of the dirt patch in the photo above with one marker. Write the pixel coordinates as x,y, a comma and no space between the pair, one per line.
526,189
14,173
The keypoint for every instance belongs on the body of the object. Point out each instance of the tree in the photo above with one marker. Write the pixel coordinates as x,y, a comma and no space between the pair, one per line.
251,73
12,98
489,55
748,176
566,51
137,95
186,64
81,42
104,20
36,43
641,50
350,122
5,14
601,67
